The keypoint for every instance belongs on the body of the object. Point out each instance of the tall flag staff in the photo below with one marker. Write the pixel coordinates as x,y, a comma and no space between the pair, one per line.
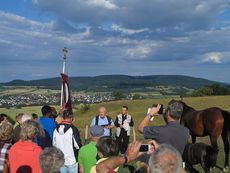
65,90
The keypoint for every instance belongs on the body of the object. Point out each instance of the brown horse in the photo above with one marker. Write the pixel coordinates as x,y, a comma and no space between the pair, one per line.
211,122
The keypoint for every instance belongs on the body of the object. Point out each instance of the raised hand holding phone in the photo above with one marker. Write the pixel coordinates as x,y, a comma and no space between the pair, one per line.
154,111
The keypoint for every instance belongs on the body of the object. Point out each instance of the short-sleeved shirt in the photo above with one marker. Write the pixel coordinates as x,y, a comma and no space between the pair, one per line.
93,169
101,122
88,156
173,133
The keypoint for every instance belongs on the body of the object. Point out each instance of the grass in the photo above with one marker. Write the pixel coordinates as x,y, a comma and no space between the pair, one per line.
138,108
9,90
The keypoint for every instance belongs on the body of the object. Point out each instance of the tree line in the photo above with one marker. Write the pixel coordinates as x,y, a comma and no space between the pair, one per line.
212,90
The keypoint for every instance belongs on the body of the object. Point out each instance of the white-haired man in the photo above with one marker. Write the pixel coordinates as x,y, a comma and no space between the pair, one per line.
103,120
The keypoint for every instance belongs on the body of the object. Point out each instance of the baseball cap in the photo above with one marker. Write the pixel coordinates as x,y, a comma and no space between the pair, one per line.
97,131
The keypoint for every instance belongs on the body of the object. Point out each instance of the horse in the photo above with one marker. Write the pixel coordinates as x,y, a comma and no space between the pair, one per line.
211,122
199,153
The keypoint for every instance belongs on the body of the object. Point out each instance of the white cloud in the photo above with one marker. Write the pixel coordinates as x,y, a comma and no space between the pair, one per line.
217,57
214,57
116,27
180,39
102,3
15,21
141,50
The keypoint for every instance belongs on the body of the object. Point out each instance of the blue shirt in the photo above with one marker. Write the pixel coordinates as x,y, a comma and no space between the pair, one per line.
101,122
48,124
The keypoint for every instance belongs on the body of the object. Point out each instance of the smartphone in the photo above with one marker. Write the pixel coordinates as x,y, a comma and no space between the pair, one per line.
161,109
145,147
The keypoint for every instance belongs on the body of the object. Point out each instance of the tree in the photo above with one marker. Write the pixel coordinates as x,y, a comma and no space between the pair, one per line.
85,108
219,89
214,89
118,95
136,97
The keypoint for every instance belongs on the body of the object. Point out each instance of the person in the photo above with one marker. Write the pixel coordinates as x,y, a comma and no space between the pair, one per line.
106,148
46,121
35,116
66,137
56,116
164,158
59,118
103,120
6,135
172,133
24,154
3,118
88,154
17,129
51,160
130,155
43,140
53,112
19,119
123,123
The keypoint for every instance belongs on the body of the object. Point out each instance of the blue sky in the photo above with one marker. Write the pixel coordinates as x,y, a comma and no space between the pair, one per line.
133,37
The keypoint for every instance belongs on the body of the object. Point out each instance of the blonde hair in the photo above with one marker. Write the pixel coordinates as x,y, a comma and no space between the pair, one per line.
30,129
6,131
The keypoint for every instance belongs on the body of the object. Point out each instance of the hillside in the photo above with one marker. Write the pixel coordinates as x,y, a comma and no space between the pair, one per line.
110,83
138,108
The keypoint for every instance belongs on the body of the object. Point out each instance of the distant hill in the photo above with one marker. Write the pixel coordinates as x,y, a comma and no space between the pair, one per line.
110,83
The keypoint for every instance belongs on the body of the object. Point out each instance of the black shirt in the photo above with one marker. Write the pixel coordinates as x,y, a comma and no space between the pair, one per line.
173,133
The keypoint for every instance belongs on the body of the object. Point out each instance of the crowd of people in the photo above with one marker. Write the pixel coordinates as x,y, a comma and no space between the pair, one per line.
52,144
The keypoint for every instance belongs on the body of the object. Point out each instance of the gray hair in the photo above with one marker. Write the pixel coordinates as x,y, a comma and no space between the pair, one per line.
26,117
102,108
30,129
176,109
51,160
165,159
6,132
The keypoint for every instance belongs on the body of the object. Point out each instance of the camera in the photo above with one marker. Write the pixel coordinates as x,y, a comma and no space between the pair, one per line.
161,109
145,147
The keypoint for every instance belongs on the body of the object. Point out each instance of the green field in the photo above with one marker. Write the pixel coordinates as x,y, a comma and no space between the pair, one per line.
138,108
11,90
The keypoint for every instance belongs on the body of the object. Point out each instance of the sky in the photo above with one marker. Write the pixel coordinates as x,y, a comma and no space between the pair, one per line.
131,37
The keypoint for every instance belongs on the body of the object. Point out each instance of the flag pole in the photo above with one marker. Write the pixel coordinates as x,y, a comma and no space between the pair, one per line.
63,71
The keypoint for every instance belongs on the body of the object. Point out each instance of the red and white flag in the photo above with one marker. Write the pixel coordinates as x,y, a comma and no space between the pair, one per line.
66,98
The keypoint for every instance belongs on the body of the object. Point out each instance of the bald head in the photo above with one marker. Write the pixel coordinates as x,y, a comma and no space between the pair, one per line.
102,112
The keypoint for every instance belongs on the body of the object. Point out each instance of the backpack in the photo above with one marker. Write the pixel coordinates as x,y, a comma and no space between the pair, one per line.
109,120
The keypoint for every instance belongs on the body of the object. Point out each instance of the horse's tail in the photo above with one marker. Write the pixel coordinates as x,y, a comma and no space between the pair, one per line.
226,116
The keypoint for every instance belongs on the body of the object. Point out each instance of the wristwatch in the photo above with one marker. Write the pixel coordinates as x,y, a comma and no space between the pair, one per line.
125,157
150,115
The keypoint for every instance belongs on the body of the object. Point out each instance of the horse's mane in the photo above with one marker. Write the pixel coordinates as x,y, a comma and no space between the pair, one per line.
186,107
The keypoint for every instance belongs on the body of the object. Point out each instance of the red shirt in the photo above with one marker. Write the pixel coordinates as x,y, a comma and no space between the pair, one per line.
24,157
